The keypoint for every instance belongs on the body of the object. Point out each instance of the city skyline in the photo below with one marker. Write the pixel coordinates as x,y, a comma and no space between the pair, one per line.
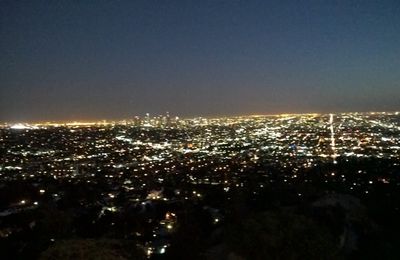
110,60
131,119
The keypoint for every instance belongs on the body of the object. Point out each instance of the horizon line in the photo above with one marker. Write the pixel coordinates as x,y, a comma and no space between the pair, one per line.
108,121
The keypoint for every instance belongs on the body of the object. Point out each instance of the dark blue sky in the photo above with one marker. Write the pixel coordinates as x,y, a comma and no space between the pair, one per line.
115,59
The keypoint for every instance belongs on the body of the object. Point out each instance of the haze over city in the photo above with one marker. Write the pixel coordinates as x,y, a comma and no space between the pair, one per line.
93,60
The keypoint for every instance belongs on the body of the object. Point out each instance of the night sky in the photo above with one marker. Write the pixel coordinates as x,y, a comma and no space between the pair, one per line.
81,60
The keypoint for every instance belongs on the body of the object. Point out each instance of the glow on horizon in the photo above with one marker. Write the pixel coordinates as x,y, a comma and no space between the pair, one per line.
24,125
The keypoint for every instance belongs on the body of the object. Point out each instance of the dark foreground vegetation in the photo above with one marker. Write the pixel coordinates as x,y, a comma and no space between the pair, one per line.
348,210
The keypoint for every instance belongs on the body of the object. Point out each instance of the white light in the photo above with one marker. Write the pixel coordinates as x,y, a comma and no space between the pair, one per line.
19,126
